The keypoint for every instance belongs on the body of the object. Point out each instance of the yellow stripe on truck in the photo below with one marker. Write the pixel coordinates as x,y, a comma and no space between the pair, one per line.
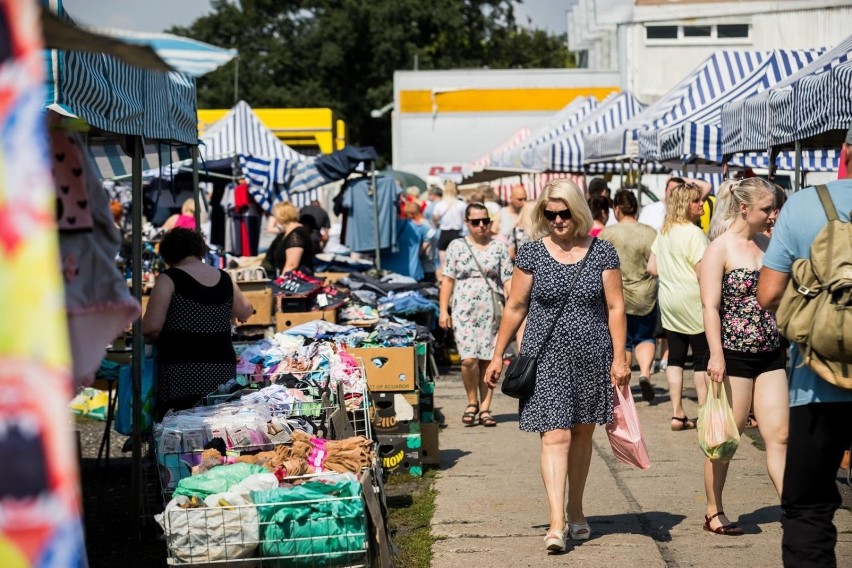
496,100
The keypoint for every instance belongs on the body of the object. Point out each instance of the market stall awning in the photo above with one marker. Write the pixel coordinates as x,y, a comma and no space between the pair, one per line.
511,142
523,156
718,74
769,118
697,135
566,154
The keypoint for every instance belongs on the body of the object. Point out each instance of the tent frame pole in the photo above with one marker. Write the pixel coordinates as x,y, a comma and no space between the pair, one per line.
798,167
138,348
375,194
196,194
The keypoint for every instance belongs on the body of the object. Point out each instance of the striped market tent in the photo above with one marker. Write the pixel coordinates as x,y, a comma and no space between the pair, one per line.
523,156
698,135
566,154
771,117
510,143
717,74
184,54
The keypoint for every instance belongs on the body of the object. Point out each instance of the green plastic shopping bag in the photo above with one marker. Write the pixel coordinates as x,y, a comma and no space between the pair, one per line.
717,430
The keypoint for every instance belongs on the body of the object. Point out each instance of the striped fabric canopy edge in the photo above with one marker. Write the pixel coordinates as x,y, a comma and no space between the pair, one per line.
684,139
566,155
770,117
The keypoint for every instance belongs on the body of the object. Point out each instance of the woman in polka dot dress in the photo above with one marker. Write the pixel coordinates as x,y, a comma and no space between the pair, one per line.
582,359
189,317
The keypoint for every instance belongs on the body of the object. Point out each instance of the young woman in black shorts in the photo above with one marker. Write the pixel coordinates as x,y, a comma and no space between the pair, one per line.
745,349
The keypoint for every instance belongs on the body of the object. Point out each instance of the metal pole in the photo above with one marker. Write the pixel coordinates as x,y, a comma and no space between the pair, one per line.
236,79
376,232
138,352
798,166
196,193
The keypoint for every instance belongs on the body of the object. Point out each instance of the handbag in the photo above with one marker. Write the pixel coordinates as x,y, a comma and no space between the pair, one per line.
520,375
497,299
625,433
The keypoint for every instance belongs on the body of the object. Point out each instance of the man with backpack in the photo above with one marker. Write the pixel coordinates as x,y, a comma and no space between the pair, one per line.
820,427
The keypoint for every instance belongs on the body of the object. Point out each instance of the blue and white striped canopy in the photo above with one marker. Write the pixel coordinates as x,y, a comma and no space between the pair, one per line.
716,75
241,133
120,98
698,135
817,95
524,156
184,54
566,154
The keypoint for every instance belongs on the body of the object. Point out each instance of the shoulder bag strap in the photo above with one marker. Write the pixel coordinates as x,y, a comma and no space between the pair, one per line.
479,266
827,204
567,295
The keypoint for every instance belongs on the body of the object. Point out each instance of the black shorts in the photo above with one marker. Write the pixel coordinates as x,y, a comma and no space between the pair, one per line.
447,236
752,365
679,343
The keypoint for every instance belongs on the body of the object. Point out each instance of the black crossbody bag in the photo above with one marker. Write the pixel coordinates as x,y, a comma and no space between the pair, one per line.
520,376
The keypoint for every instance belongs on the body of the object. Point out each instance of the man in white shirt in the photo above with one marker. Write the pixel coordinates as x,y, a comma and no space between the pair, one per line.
506,219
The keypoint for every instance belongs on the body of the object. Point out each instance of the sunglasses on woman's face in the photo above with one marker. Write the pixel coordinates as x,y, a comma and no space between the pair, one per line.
477,222
564,214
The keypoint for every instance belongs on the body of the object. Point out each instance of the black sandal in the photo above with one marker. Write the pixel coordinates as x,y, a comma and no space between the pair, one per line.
487,419
685,424
468,418
731,529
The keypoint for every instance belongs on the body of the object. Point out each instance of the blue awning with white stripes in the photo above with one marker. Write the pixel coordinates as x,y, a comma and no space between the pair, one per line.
818,95
698,135
524,156
718,74
566,154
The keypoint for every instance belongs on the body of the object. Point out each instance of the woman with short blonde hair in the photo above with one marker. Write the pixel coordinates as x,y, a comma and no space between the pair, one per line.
578,363
566,191
293,247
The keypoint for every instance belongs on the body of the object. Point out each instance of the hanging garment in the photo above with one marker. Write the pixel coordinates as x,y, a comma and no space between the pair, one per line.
358,203
97,299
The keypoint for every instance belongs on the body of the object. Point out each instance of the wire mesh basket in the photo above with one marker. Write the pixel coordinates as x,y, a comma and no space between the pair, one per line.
322,523
322,411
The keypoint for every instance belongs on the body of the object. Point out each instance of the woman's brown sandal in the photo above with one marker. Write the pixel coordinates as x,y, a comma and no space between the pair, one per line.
731,529
487,419
468,418
685,424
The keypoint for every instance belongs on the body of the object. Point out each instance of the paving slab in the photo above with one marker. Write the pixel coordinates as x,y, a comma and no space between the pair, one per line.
491,508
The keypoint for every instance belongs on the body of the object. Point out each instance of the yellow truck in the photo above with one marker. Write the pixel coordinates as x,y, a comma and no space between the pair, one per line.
309,131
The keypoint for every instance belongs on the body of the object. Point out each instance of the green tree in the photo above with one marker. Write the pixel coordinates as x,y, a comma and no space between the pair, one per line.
342,53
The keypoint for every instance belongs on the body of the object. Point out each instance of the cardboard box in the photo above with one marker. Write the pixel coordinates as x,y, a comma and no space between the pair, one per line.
430,452
332,277
287,320
261,301
388,368
400,454
395,412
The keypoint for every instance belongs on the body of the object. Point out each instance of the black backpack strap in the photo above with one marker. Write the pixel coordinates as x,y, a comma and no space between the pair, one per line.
827,204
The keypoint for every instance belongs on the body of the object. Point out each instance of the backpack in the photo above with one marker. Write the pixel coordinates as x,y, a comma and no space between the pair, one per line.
816,309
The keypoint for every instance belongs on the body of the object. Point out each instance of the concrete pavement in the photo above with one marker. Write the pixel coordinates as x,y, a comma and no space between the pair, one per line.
491,509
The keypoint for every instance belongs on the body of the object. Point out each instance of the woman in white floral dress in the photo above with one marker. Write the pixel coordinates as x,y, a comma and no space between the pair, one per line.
476,277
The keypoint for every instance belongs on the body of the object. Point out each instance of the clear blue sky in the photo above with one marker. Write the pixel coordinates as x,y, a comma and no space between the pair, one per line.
157,15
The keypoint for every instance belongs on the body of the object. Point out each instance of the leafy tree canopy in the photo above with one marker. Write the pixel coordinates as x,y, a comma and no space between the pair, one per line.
342,53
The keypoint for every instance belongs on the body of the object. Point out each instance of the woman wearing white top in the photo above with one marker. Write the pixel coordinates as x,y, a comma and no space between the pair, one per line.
449,218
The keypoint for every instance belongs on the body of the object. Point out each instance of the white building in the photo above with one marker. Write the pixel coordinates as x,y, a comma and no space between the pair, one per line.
443,120
654,43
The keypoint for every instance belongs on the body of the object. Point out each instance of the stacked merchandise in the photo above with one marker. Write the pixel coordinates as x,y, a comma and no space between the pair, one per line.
277,467
402,390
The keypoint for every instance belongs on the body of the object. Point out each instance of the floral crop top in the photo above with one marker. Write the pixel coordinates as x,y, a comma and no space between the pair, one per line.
746,326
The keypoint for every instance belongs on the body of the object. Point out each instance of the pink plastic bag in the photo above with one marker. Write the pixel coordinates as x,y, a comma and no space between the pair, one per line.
625,432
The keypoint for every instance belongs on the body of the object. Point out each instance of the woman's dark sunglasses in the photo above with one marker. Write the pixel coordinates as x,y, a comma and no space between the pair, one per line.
477,222
564,214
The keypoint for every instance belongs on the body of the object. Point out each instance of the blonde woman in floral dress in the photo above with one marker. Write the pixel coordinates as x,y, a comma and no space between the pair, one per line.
477,272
